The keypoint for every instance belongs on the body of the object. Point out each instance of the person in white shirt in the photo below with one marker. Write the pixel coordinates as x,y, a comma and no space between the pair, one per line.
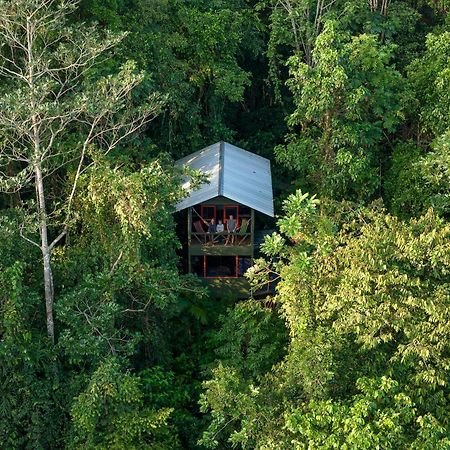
220,229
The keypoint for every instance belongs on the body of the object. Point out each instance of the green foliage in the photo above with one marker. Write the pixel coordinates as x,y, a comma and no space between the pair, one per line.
352,350
345,103
404,187
121,266
425,179
129,211
375,418
418,181
193,52
31,394
114,413
14,248
429,77
242,414
365,299
435,170
251,339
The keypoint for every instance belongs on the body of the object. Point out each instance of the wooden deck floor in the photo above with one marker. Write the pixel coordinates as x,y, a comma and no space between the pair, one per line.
244,249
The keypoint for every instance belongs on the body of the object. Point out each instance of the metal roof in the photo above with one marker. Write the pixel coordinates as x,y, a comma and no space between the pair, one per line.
232,172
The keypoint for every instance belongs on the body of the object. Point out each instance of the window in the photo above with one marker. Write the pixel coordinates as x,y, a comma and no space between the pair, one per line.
208,212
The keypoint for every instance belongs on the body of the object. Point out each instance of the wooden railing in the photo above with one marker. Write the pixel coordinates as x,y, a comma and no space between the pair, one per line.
221,238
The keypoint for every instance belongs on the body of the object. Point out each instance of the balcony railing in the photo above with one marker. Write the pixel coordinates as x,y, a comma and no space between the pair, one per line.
221,238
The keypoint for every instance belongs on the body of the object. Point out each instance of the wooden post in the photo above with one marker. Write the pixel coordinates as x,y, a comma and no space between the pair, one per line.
189,238
252,228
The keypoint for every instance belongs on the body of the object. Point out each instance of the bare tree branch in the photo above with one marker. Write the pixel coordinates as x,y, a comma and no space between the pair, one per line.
21,228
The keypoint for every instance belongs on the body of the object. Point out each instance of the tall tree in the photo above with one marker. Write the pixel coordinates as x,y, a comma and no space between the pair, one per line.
365,300
52,94
344,106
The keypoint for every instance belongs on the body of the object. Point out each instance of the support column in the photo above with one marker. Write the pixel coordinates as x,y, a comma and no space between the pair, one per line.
189,238
252,228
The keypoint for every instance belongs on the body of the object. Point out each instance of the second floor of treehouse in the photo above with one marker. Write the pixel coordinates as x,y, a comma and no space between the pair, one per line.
221,227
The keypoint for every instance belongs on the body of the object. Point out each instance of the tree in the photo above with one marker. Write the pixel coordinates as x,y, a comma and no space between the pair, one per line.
365,299
345,104
197,54
418,177
418,180
29,385
298,24
114,412
54,106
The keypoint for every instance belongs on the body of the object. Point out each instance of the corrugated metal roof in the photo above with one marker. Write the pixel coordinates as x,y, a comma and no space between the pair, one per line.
234,173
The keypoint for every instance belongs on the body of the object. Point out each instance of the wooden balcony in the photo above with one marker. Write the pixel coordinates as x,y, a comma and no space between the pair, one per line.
222,243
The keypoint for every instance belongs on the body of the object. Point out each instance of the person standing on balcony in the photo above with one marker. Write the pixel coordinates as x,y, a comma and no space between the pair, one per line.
231,228
220,229
212,228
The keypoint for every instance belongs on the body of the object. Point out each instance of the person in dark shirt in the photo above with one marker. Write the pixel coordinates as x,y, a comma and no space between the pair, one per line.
212,228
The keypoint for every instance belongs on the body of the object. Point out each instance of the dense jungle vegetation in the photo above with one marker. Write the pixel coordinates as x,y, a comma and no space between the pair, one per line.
105,343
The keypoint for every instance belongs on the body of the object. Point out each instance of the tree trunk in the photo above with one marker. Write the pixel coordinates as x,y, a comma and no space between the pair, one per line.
43,230
39,183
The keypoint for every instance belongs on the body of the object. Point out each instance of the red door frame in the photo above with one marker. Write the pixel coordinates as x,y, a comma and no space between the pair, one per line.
225,218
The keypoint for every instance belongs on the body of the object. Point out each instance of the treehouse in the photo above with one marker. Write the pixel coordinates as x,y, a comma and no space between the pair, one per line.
221,213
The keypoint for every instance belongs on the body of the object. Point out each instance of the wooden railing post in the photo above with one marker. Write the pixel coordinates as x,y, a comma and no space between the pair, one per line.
252,231
189,239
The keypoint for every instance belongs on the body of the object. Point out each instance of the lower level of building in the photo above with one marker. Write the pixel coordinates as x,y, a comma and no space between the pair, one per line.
219,266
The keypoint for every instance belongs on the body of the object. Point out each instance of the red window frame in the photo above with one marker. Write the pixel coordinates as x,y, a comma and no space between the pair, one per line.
203,207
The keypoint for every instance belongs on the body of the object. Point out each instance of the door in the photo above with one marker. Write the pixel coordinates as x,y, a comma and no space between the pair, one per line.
232,210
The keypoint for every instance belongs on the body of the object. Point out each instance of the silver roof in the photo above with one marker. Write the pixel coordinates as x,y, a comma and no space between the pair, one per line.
232,172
